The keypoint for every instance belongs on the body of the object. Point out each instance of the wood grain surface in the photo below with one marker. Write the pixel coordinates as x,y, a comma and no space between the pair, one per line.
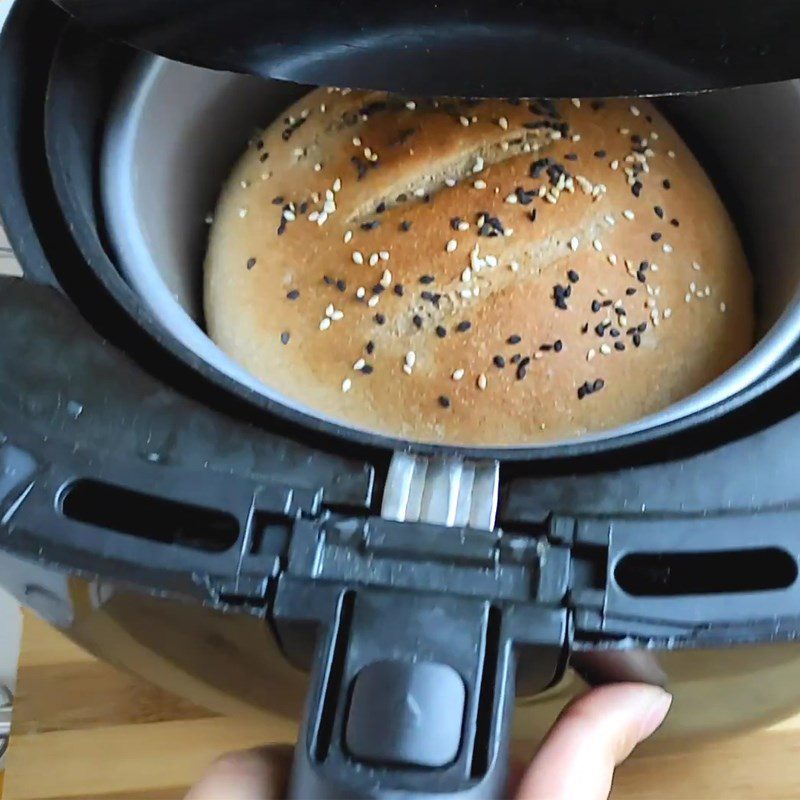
82,729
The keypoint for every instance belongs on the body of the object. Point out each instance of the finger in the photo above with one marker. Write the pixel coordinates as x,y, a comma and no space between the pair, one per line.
260,774
593,735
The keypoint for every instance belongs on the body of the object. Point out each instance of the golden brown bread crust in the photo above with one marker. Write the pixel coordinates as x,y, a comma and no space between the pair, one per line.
609,315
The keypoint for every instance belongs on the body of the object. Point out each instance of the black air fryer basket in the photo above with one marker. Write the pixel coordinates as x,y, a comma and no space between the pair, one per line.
423,587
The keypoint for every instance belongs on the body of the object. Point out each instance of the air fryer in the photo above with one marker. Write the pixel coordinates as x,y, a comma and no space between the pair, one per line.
179,518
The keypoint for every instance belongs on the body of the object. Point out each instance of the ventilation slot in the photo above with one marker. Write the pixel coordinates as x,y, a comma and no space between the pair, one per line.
720,572
149,517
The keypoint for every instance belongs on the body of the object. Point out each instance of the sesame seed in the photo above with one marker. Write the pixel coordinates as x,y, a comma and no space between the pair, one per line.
242,213
444,401
612,259
356,141
590,354
573,276
628,214
499,361
598,245
386,278
722,307
457,375
514,266
373,259
358,257
671,153
667,313
482,381
491,261
511,199
337,185
605,349
503,123
293,294
411,105
417,320
451,246
285,337
359,365
373,301
380,319
574,243
635,111
325,323
411,358
667,248
361,292
337,315
479,184
463,326
464,121
347,385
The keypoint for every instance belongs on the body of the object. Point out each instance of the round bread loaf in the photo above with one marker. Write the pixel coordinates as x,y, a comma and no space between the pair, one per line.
496,272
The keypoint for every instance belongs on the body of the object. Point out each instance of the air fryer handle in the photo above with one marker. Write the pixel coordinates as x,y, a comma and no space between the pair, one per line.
411,697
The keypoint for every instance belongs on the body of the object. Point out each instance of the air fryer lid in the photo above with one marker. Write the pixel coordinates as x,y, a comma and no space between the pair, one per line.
471,47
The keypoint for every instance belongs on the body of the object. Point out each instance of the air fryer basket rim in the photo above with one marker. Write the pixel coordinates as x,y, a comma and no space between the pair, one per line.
141,268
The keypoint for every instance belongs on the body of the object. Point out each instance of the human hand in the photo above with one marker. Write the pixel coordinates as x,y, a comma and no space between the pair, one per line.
576,761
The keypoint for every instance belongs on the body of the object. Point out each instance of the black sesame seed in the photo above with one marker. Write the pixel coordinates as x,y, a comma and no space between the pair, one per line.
285,337
499,361
263,157
367,369
596,306
402,197
598,385
515,359
674,223
303,207
582,391
659,211
277,201
573,276
455,222
426,279
405,226
444,401
463,326
368,226
619,345
571,156
426,295
251,262
417,320
341,285
293,294
532,215
545,348
600,154
630,291
380,319
641,327
597,105
260,144
641,277
585,327
441,331
327,280
655,236
637,339
636,189
370,348
614,333
378,288
558,345
522,371
607,303
514,339
399,290
380,208
666,183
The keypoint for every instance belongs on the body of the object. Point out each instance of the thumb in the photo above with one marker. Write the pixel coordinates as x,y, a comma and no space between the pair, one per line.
593,735
260,774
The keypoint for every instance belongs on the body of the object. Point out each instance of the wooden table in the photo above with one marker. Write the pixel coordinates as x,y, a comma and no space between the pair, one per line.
85,730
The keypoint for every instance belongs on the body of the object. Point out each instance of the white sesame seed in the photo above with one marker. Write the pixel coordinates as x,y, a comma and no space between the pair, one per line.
361,292
346,385
667,313
420,192
614,164
598,245
511,199
242,213
358,258
602,291
411,358
463,225
623,320
374,300
538,355
671,153
555,135
605,349
373,259
337,315
337,185
503,123
479,184
576,137
406,369
707,291
635,111
209,219
356,141
649,303
491,261
329,309
687,297
466,294
692,286
722,307
610,220
628,214
411,105
360,364
325,323
696,266
573,243
322,108
590,354
317,167
624,131
450,182
298,152
464,121
654,135
612,259
667,248
383,255
514,266
329,207
479,163
576,102
244,184
451,246
321,218
386,279
481,381
458,375
348,236
466,275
